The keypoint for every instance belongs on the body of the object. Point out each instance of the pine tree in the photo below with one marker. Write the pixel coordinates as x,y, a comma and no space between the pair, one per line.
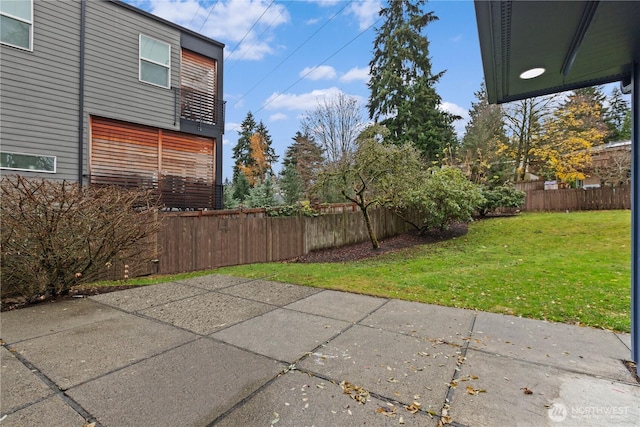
484,134
269,153
616,117
242,150
402,84
305,156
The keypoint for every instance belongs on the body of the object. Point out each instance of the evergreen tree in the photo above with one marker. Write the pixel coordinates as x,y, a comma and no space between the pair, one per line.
269,153
616,117
291,183
305,156
402,84
242,150
262,195
241,187
484,135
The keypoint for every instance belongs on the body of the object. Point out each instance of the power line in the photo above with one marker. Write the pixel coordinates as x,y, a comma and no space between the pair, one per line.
250,29
263,31
322,63
194,15
294,51
208,15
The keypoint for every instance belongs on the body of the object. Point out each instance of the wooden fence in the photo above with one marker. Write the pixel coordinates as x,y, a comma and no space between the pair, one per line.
191,241
578,199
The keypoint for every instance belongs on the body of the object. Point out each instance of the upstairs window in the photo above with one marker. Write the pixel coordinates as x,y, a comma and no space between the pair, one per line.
155,62
16,23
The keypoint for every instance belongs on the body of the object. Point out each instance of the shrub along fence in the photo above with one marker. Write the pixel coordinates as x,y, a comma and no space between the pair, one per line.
191,241
578,199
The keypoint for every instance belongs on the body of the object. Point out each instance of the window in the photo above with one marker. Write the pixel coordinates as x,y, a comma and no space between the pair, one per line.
155,62
16,23
27,162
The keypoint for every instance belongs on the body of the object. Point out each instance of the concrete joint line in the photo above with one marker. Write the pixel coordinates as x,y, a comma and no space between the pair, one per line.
57,391
456,372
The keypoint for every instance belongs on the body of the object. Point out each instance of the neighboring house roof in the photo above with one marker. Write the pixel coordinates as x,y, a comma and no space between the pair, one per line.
612,145
165,22
579,43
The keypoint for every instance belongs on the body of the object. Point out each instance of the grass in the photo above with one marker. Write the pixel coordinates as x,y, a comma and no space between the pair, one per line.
572,268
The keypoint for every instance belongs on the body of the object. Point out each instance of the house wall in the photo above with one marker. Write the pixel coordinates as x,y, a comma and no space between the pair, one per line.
112,87
39,90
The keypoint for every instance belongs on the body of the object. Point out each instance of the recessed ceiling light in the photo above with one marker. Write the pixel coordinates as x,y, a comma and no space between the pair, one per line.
532,73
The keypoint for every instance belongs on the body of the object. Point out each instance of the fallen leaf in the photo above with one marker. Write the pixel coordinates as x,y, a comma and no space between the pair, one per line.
276,418
526,390
357,393
387,412
474,391
413,408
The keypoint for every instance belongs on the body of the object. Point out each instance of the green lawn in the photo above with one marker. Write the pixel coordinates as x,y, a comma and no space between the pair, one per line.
572,268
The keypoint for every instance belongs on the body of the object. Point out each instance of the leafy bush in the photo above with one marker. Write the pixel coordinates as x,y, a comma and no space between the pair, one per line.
55,235
446,196
303,208
505,196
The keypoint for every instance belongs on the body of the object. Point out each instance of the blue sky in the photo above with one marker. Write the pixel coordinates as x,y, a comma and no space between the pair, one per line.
282,57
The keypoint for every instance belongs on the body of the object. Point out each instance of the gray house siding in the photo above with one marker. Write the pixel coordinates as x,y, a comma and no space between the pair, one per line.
112,87
39,102
41,97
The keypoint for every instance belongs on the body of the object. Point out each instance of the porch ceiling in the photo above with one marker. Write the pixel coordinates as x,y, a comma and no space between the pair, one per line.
579,43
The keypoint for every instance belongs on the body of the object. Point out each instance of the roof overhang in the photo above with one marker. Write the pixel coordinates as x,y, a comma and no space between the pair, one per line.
578,43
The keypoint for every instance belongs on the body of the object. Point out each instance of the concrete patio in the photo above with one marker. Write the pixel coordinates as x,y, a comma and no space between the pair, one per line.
228,351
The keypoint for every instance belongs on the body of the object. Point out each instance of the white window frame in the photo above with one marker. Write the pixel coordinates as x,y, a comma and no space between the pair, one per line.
141,58
30,48
55,162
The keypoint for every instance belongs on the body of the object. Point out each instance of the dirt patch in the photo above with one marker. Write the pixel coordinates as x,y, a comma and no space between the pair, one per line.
365,250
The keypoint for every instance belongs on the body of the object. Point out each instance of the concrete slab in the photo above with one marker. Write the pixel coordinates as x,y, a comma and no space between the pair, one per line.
188,386
76,355
587,350
433,322
282,334
274,293
52,412
20,386
506,402
213,281
295,399
49,318
147,296
338,305
207,313
393,365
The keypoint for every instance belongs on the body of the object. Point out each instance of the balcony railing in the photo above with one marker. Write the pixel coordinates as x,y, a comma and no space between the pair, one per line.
175,192
199,106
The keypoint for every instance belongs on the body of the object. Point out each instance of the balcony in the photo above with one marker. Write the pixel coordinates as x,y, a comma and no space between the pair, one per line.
199,110
175,192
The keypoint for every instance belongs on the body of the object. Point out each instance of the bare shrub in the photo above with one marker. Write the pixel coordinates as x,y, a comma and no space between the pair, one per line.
56,235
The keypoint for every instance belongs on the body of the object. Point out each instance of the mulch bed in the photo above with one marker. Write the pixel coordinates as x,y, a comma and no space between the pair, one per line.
365,250
13,303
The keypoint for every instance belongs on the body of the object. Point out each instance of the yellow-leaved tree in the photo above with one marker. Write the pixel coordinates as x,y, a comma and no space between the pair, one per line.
569,134
256,170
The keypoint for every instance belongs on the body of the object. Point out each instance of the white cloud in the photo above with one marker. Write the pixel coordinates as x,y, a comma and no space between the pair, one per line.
277,117
304,101
366,12
320,72
355,74
229,21
324,3
457,38
459,125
